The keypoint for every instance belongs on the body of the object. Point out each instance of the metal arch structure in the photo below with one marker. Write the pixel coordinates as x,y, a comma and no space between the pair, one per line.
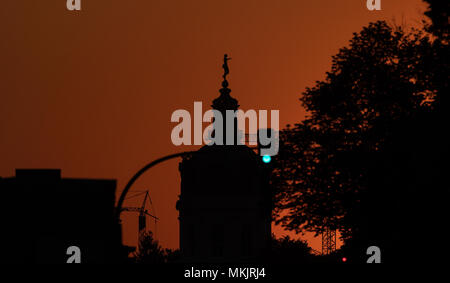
142,171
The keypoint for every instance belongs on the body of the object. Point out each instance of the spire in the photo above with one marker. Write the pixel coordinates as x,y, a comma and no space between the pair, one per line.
225,101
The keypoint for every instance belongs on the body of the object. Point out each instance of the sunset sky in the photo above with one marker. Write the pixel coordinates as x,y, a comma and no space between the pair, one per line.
91,92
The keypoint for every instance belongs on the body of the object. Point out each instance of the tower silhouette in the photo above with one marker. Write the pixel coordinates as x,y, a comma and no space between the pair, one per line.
224,205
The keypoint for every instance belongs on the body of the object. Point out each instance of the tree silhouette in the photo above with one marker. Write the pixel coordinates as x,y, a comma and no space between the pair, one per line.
438,12
287,250
435,60
323,163
368,158
150,252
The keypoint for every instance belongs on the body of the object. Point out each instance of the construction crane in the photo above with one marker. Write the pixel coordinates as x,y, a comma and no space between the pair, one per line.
143,212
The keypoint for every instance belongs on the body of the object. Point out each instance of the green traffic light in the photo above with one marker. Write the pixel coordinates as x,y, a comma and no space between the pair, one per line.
266,158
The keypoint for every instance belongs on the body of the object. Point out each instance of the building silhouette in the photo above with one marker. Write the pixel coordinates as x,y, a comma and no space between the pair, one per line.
44,214
224,205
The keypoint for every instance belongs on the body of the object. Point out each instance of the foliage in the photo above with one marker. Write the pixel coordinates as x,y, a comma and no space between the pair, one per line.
151,252
438,12
370,152
373,85
289,250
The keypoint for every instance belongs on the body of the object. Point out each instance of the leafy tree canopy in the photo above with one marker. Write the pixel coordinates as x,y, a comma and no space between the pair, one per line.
376,83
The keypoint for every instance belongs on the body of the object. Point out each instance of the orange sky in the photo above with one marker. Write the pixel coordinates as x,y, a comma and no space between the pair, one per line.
92,92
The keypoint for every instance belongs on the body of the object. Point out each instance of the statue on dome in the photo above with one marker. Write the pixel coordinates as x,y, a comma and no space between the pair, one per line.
225,66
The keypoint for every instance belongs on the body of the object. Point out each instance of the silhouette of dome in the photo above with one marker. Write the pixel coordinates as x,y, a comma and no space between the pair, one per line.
225,101
224,205
222,170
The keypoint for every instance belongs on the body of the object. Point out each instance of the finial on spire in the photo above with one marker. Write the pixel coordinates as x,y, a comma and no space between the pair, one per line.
225,101
226,70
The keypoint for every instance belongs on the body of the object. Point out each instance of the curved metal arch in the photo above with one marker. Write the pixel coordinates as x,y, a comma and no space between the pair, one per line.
142,171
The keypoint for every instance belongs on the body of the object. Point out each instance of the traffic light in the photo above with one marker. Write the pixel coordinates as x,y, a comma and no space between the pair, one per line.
266,159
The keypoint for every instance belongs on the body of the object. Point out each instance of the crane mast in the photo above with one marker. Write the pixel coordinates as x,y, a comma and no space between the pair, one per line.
143,213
